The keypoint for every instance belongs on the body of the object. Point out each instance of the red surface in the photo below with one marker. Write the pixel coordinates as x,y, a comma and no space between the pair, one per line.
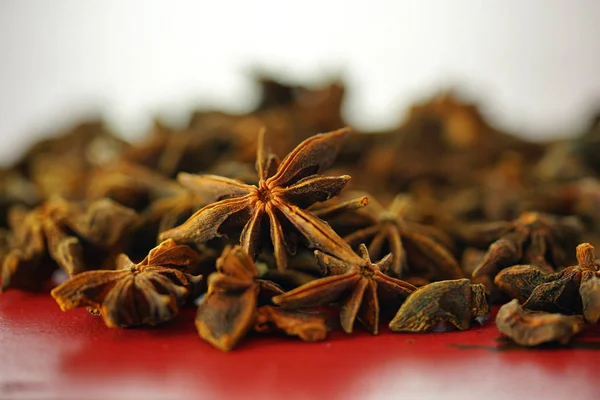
45,353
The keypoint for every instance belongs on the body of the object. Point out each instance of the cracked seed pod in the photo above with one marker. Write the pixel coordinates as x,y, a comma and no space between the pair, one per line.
229,309
528,328
456,302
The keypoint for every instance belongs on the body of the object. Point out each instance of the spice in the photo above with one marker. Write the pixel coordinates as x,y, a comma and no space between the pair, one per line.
310,327
359,287
574,290
147,293
534,328
418,250
73,236
283,193
533,238
228,310
456,302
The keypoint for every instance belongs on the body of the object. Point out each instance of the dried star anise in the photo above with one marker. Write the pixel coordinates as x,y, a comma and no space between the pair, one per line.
129,184
310,327
528,328
74,236
418,250
279,201
574,290
456,302
359,286
147,293
229,309
533,238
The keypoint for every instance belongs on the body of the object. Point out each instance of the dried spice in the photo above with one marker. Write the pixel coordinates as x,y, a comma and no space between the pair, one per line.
147,293
533,238
359,287
279,201
456,302
574,290
418,250
81,149
456,173
229,309
129,184
73,236
310,327
528,328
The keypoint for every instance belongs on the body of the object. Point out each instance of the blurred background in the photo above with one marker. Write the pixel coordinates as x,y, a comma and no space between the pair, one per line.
531,66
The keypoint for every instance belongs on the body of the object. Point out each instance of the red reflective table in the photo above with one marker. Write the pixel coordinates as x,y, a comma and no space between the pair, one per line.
48,354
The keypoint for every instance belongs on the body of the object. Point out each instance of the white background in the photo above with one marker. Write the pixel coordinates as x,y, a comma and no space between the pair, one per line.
533,65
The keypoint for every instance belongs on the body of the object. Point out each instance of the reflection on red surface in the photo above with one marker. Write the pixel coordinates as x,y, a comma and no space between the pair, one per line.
45,353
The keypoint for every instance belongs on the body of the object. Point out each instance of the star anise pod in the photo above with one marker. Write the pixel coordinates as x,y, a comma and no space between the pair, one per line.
147,293
574,290
456,302
533,238
528,328
73,236
279,201
229,309
418,250
59,166
310,327
129,184
359,286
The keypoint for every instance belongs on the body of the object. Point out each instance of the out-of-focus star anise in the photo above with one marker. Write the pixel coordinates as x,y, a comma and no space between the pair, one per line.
359,286
533,238
418,250
59,166
277,205
310,327
229,309
129,184
574,290
147,293
529,328
75,236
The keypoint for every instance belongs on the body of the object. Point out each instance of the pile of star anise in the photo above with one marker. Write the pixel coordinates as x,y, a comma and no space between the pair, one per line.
421,228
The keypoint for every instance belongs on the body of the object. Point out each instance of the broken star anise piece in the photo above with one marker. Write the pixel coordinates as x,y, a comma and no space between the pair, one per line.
359,286
148,293
528,328
75,236
277,205
533,238
456,302
228,311
310,327
419,250
574,290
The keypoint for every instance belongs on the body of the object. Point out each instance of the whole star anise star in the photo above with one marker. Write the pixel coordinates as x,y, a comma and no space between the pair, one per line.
418,250
147,293
229,309
73,236
533,238
574,290
279,201
357,284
